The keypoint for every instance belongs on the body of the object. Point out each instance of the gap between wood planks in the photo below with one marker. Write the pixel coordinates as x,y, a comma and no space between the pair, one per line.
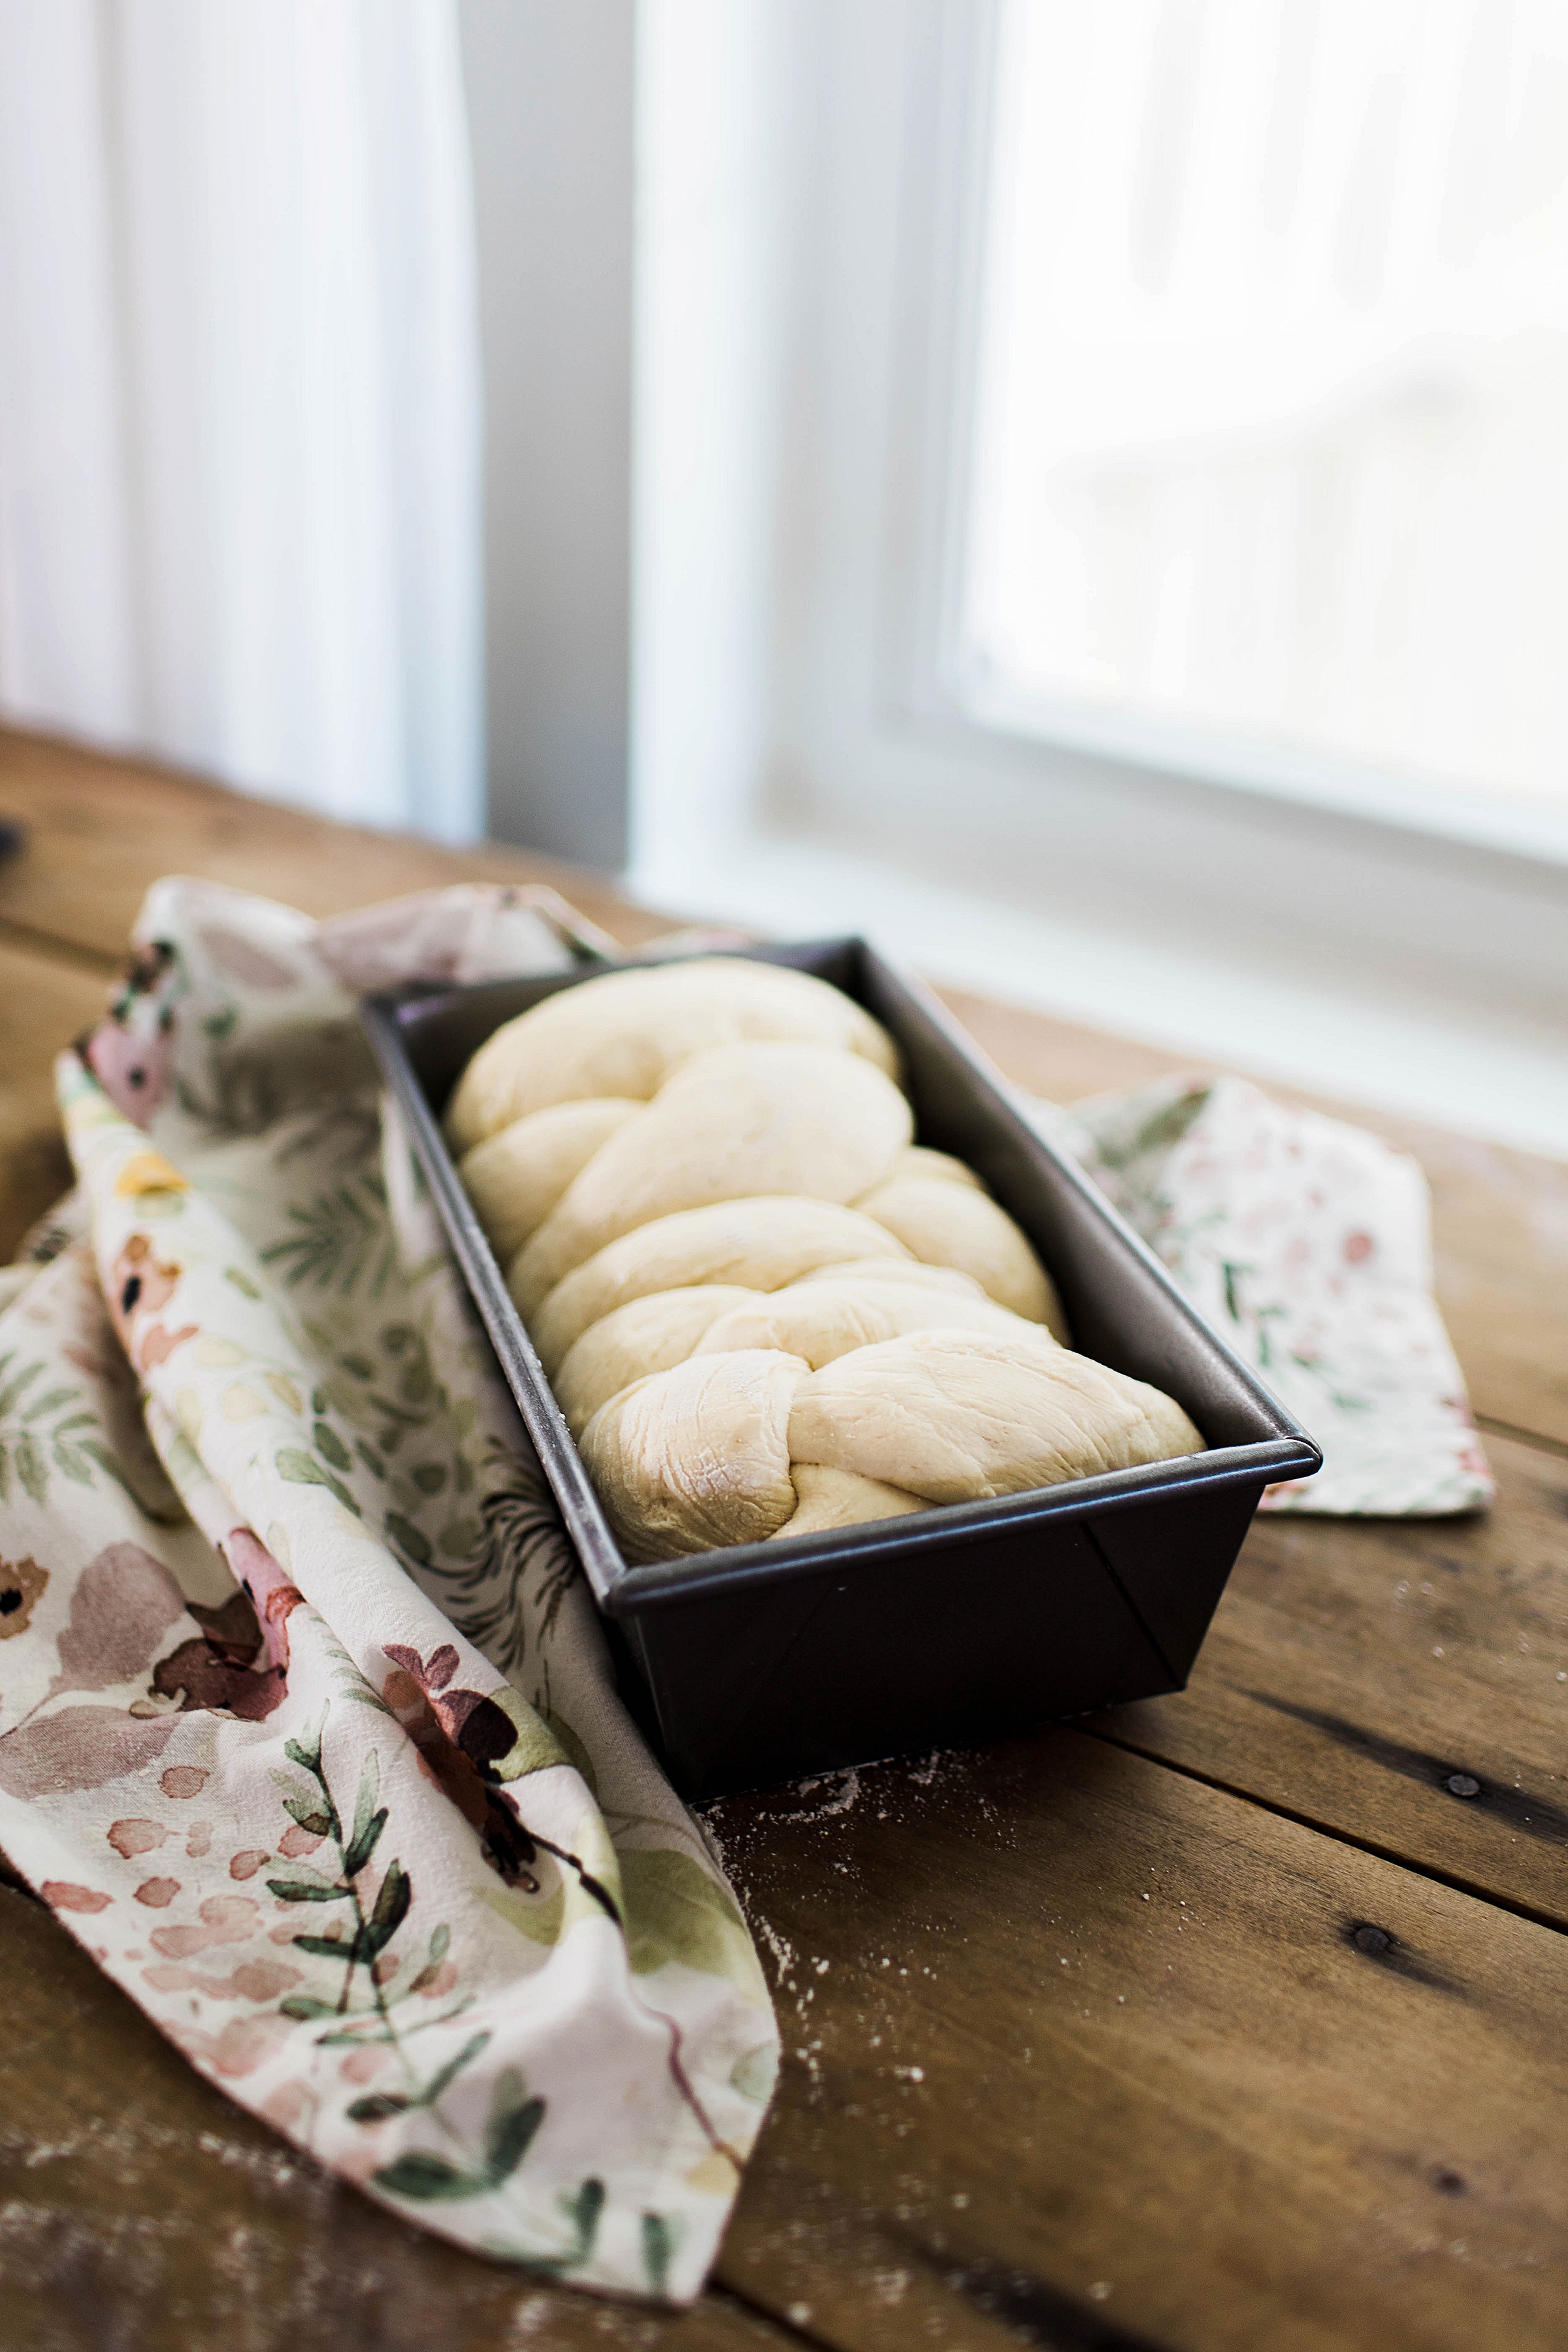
732,2298
1454,1880
720,2291
59,950
1524,1436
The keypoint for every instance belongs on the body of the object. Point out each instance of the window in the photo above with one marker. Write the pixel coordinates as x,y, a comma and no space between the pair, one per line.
980,594
1269,468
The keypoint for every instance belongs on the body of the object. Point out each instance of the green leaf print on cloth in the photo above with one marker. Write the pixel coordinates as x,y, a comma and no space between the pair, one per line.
308,1730
1308,1243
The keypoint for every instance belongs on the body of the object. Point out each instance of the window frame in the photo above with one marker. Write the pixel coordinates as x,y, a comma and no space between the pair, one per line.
805,757
930,670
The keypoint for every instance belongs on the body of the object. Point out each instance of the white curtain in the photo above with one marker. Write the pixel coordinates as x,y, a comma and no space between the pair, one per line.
239,395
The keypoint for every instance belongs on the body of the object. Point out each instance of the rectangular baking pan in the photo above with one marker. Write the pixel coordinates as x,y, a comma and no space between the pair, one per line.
762,1662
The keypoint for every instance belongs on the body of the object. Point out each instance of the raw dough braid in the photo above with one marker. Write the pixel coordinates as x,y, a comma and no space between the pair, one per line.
623,1034
766,1310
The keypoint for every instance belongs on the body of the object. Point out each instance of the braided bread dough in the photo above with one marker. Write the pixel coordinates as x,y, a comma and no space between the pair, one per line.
766,1310
623,1034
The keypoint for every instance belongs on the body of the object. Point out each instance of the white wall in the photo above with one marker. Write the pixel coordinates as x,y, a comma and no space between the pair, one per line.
550,92
716,109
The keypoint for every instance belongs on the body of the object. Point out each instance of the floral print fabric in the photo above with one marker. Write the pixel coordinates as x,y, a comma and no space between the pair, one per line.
307,1729
1308,1244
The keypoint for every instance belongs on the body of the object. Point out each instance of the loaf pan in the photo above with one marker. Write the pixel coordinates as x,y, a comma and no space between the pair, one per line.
762,1662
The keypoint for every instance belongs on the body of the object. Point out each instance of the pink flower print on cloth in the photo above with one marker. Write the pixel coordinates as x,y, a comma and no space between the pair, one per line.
1307,1244
307,1729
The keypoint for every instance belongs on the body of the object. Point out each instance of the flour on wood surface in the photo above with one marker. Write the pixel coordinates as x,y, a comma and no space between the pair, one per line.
844,1800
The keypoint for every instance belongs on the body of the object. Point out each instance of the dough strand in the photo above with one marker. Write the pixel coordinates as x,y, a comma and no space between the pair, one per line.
766,1310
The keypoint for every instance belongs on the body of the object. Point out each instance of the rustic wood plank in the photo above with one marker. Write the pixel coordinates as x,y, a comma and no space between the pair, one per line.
100,830
139,2209
1020,2083
1297,2098
1499,1217
1061,1060
46,1005
1403,1683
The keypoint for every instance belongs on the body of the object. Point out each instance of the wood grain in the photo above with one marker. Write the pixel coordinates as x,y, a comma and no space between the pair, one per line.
1010,2082
100,830
1405,1683
47,1004
141,2210
1297,2098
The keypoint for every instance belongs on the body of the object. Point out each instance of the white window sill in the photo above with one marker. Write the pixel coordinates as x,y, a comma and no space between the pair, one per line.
1475,1072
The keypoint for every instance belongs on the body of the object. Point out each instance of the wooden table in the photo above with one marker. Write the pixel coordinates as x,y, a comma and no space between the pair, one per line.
1222,2021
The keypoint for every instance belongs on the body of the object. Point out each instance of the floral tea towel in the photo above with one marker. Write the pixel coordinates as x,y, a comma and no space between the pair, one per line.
1308,1243
307,1729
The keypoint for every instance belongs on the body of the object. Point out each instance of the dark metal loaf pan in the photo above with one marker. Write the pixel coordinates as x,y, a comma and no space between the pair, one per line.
764,1661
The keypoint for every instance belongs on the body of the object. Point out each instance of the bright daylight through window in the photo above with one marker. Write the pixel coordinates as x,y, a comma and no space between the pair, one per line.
1270,465
1116,552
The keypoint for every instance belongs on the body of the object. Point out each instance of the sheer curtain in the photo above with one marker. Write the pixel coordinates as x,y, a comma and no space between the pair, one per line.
239,395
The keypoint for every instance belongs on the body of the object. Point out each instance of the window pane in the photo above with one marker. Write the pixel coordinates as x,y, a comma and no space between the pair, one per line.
1272,406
